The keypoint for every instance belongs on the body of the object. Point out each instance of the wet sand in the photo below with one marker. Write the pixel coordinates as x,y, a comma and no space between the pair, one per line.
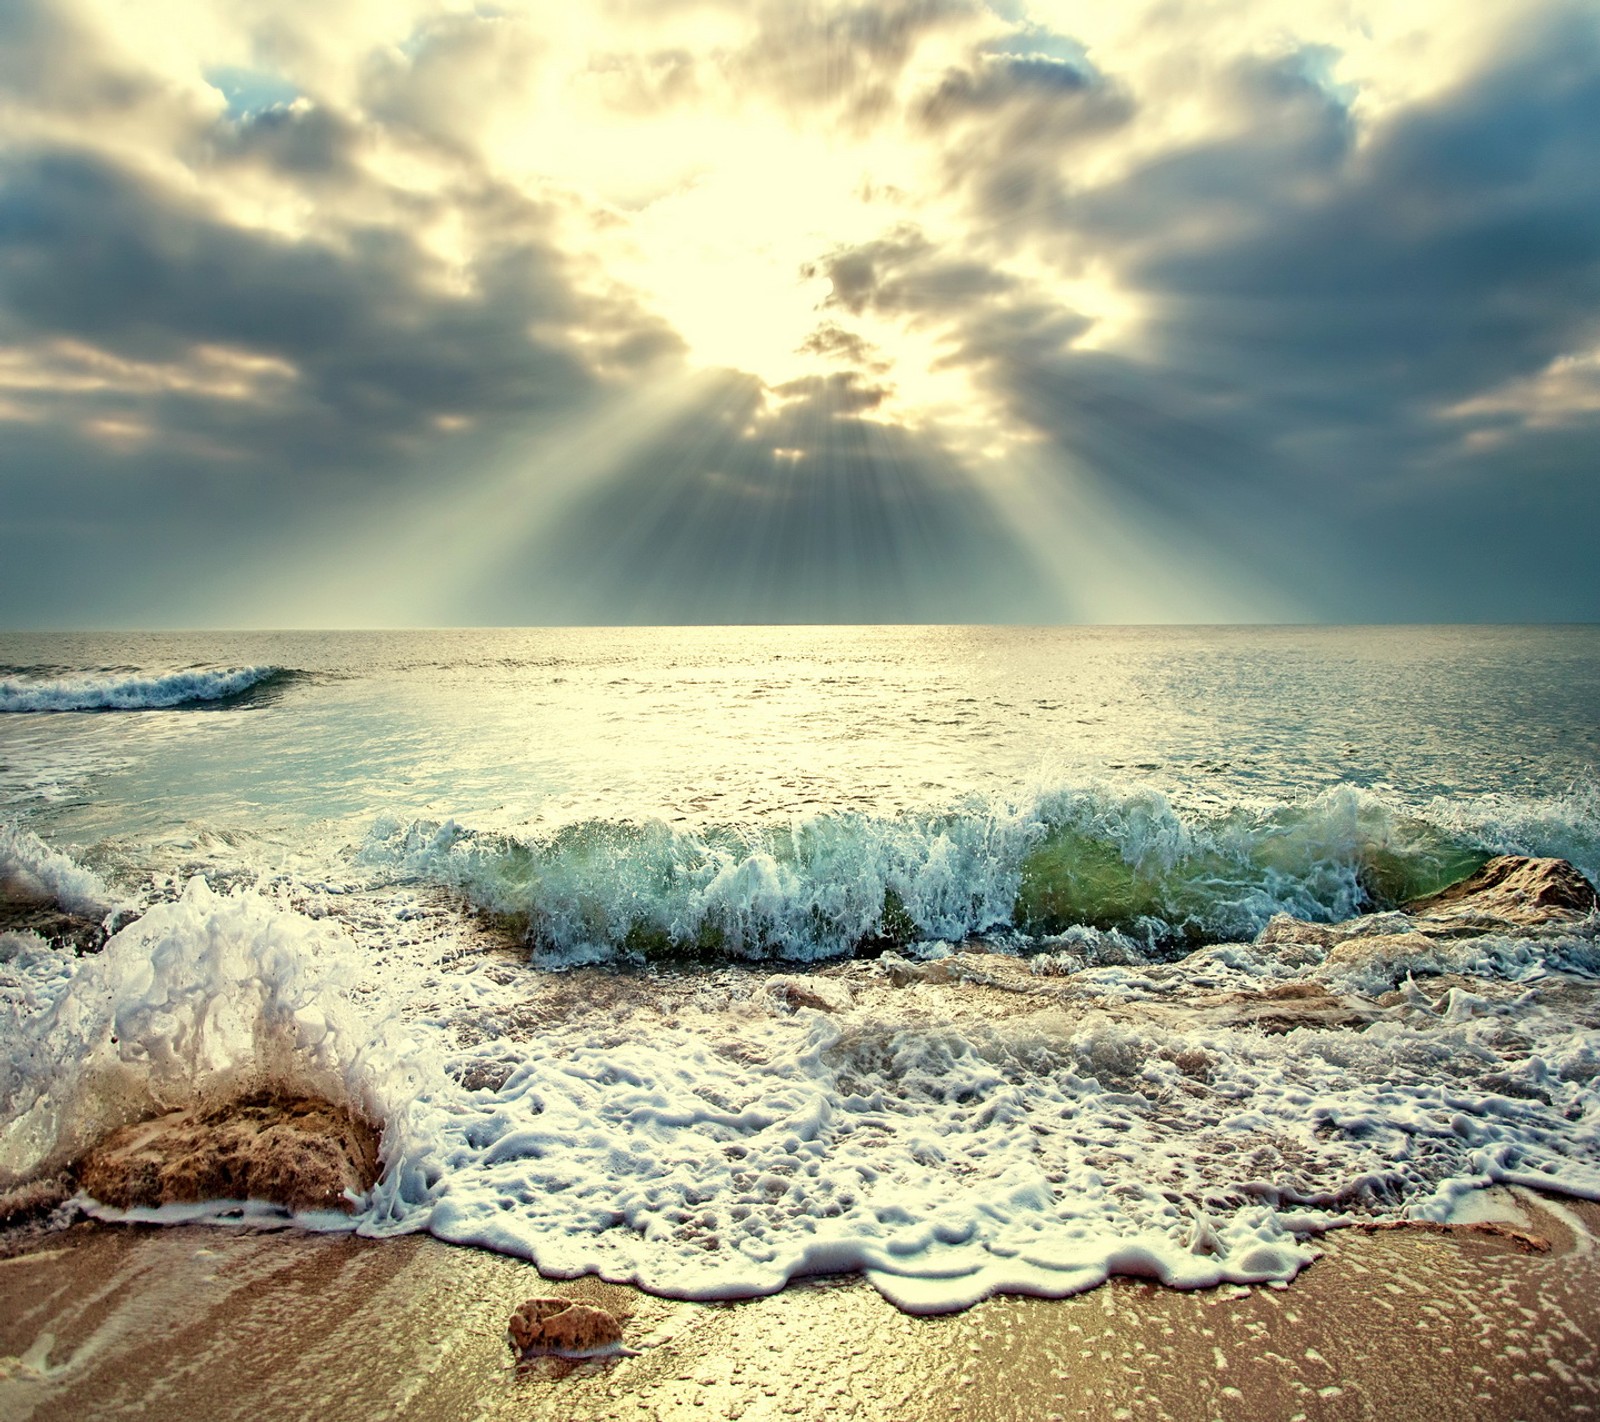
201,1323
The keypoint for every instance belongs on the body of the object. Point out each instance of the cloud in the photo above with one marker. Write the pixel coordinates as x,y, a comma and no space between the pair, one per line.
1323,314
453,73
91,253
1320,298
903,272
1012,126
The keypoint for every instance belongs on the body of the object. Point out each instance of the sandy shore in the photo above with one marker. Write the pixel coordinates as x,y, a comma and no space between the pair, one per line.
199,1323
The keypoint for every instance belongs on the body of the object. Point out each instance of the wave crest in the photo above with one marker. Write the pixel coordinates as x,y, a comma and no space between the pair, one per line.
31,871
133,691
834,885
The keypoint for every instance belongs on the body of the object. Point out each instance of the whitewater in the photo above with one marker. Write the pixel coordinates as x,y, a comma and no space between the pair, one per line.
710,958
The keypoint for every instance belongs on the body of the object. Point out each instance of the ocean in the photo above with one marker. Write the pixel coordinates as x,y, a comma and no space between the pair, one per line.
705,958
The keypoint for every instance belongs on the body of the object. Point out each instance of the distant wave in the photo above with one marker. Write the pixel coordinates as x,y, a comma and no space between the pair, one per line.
133,691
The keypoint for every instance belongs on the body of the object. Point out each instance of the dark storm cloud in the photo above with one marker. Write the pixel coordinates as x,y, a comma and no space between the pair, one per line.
1462,245
1040,98
1314,306
1459,247
301,142
1009,125
179,389
89,252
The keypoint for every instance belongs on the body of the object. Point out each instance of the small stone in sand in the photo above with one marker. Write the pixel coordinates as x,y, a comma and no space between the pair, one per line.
560,1327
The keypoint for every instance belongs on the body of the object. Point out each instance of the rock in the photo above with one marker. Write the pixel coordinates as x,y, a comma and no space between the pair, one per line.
57,926
36,1198
1514,891
1512,894
1282,930
561,1327
1389,951
1285,932
30,1212
901,972
1527,1242
820,994
1287,1007
300,1152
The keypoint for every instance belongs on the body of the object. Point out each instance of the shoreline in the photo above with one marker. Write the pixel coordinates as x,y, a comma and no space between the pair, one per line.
192,1322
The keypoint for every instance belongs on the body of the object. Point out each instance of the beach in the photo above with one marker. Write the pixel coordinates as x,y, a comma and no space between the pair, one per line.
191,1322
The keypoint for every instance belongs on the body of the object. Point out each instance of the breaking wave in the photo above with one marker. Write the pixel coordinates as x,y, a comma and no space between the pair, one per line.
133,691
30,871
840,884
210,995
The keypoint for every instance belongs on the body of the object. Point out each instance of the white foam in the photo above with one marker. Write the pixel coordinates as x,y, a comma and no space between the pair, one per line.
199,997
734,1147
125,691
665,1163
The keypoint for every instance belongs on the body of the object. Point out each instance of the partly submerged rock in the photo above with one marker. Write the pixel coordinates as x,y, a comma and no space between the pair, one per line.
1285,1008
1284,930
819,993
1391,952
59,927
1512,891
1512,895
300,1152
27,1202
902,972
562,1328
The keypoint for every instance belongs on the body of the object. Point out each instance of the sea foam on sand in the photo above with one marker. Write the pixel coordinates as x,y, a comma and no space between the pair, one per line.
988,1129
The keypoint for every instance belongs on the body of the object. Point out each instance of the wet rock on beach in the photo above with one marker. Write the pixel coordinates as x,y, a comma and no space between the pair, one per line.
299,1152
556,1326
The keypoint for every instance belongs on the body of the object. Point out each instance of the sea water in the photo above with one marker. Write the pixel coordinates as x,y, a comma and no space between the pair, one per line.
536,900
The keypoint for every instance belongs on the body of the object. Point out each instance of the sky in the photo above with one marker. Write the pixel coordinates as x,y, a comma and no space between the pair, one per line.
395,312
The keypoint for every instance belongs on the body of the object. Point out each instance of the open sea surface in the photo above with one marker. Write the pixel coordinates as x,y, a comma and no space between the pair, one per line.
611,928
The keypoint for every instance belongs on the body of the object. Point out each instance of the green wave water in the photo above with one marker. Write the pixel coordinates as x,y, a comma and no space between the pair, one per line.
842,884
